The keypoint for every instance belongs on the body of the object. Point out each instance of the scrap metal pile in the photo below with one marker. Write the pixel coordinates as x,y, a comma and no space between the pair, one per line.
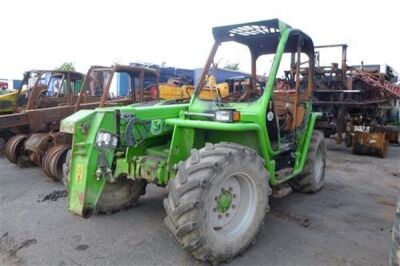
30,134
360,104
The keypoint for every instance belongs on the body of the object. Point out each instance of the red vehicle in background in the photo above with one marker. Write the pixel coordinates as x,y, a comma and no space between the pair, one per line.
3,85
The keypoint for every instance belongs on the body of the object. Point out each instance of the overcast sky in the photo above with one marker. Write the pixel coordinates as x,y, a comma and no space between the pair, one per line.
44,34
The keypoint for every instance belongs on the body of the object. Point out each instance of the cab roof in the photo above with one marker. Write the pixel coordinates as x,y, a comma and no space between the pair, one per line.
262,37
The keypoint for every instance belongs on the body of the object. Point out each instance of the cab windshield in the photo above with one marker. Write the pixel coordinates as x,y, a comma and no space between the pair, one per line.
229,77
120,83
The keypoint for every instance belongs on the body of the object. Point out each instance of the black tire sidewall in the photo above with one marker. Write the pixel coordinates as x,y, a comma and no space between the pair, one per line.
320,147
306,181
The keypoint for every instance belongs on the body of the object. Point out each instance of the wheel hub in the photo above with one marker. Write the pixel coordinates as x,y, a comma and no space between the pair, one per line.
224,201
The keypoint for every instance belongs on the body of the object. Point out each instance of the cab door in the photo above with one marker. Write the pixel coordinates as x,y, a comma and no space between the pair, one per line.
290,100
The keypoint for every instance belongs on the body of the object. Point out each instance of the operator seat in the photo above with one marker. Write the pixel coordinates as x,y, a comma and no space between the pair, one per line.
284,99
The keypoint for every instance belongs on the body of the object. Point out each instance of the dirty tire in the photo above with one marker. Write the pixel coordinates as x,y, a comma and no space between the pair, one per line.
312,178
395,254
192,198
120,195
117,196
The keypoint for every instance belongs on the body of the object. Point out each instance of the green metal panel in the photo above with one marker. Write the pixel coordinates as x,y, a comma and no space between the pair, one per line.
84,187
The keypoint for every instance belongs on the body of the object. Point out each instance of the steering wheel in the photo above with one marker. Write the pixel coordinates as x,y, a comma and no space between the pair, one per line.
40,96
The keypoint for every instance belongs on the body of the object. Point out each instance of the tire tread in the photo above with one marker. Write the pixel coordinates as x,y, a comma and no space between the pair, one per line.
185,195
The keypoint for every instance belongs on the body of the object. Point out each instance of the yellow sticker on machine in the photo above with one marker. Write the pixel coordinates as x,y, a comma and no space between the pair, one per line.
79,173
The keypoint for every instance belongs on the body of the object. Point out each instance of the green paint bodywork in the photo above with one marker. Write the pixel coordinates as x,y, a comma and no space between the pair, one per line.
166,134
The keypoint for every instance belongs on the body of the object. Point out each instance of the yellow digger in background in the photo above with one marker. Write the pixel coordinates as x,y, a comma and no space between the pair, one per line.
8,99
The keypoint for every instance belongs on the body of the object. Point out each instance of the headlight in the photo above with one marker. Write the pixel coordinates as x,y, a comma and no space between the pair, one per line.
227,116
106,140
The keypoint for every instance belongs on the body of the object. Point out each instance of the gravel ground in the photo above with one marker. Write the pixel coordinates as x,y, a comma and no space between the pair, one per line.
349,222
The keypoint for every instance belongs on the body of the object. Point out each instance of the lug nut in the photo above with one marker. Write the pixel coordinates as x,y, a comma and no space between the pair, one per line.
235,196
220,216
230,189
216,198
222,189
215,210
227,214
233,206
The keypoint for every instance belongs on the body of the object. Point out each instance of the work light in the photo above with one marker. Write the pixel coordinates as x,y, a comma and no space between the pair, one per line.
106,140
227,116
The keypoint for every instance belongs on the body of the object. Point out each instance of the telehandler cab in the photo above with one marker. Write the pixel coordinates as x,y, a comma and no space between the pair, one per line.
40,90
220,158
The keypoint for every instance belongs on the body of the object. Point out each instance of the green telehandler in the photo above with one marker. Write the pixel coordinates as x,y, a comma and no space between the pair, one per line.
220,159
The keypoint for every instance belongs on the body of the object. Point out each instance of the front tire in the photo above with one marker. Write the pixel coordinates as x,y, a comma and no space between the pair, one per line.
217,201
122,194
116,196
312,178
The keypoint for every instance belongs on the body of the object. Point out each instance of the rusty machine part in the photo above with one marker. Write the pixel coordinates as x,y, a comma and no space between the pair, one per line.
370,143
53,160
354,99
48,148
43,114
36,145
15,147
39,91
378,82
392,133
55,156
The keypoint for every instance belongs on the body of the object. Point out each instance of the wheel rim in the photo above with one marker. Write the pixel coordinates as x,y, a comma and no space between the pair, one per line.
318,166
233,206
53,160
14,147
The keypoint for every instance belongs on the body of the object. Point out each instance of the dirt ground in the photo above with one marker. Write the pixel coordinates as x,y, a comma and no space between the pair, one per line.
348,223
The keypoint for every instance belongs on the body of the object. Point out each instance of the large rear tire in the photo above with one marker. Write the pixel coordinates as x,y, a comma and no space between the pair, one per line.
312,178
116,196
395,254
217,202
